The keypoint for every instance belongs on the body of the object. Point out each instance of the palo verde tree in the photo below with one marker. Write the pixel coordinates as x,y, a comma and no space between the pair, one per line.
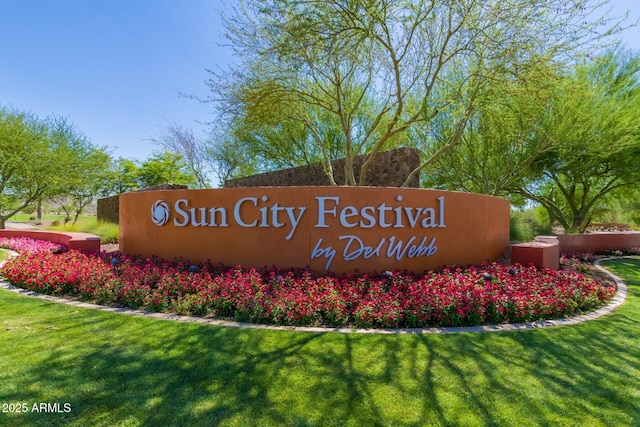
163,167
38,158
121,177
86,165
597,141
568,143
504,136
271,143
193,152
376,69
24,164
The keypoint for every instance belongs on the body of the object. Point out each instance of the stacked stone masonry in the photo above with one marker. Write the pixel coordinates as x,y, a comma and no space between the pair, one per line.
109,208
389,169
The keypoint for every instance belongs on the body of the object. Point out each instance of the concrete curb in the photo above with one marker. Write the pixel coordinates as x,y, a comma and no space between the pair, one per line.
617,301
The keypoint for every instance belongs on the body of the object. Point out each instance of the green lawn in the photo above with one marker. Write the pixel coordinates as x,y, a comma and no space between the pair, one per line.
120,370
107,232
48,217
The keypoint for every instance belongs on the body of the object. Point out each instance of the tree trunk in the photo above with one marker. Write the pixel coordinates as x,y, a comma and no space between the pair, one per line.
76,216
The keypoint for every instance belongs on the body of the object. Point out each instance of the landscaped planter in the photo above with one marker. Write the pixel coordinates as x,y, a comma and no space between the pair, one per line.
600,241
490,293
83,242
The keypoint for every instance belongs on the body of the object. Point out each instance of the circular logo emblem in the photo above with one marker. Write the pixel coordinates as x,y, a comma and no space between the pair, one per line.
160,212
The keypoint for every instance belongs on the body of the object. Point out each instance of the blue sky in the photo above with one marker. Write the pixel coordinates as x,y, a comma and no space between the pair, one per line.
116,68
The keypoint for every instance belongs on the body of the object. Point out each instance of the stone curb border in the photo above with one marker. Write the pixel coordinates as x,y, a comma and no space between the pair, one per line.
617,301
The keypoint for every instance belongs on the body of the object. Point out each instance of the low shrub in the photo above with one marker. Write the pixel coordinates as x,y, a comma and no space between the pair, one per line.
620,252
524,226
108,232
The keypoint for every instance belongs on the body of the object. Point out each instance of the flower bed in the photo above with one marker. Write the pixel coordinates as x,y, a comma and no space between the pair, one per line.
490,293
27,245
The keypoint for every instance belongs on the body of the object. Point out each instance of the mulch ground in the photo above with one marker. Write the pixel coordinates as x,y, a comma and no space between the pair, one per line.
110,247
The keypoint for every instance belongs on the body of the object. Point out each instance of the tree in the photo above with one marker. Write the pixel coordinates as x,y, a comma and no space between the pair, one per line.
121,177
228,156
621,207
568,146
85,168
38,158
598,141
272,144
398,64
193,152
625,207
85,185
22,143
162,167
165,168
505,135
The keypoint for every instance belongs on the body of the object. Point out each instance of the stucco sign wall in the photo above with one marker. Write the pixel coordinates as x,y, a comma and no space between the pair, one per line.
339,229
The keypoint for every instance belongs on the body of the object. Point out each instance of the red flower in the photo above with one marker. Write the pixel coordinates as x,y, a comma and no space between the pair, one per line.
449,297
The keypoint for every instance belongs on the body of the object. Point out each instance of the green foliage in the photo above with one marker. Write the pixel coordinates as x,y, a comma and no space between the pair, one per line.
501,140
332,79
230,159
108,232
26,217
623,207
24,161
525,225
631,214
569,142
596,141
164,168
122,177
46,158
